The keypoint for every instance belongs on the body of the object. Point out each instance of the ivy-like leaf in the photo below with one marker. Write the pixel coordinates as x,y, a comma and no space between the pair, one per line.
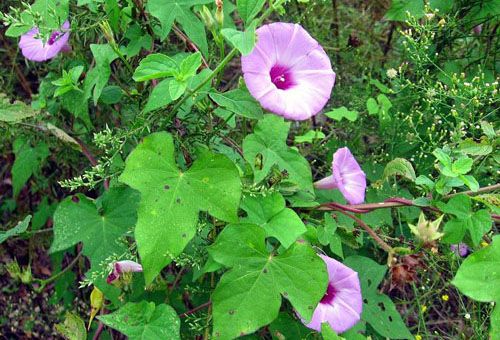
378,309
28,161
400,167
477,223
171,199
248,296
271,214
243,41
97,78
267,147
342,112
18,229
144,321
168,11
98,224
248,9
155,66
15,112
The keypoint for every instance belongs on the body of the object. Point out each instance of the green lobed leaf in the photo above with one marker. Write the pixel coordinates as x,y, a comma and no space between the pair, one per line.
238,101
99,225
271,213
243,41
160,96
28,161
479,276
144,321
97,78
470,147
248,296
168,11
309,137
400,167
73,327
267,147
476,223
378,309
171,198
372,106
15,112
399,8
155,66
248,9
289,327
342,112
18,229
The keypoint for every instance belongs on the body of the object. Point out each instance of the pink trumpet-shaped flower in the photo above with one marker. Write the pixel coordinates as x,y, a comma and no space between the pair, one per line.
347,177
121,267
288,72
34,48
342,304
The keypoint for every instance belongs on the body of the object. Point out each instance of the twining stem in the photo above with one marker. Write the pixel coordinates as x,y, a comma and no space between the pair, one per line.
370,231
398,202
195,309
44,283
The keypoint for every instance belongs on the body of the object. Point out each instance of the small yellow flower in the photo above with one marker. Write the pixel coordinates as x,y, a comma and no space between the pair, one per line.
484,244
418,337
423,308
445,297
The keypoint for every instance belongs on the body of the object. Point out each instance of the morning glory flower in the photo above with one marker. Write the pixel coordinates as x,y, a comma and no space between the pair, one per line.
342,303
347,176
288,71
35,49
122,267
460,249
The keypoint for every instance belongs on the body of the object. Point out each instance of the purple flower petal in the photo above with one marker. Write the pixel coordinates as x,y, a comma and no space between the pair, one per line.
347,177
35,49
460,249
342,304
288,72
121,267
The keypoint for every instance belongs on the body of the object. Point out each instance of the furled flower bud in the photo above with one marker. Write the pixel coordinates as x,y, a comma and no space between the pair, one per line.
207,17
107,32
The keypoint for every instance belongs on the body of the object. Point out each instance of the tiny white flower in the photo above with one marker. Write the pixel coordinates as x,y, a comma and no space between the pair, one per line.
391,73
467,316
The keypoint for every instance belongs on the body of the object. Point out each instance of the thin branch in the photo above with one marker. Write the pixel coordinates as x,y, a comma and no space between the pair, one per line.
195,309
369,230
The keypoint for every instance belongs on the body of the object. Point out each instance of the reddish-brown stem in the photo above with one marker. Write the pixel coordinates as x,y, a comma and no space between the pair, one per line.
369,230
195,309
188,41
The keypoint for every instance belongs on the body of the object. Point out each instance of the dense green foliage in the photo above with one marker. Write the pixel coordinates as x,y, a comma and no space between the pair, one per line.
143,143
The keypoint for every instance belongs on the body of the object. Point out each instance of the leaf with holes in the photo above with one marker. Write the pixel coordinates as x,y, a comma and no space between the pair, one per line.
378,309
99,224
271,213
144,321
171,199
248,296
267,147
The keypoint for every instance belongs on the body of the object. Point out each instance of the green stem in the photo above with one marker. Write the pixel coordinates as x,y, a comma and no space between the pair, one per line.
224,61
44,283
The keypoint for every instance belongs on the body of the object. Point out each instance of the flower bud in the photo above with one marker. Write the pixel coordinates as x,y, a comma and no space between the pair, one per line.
219,13
107,32
207,18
